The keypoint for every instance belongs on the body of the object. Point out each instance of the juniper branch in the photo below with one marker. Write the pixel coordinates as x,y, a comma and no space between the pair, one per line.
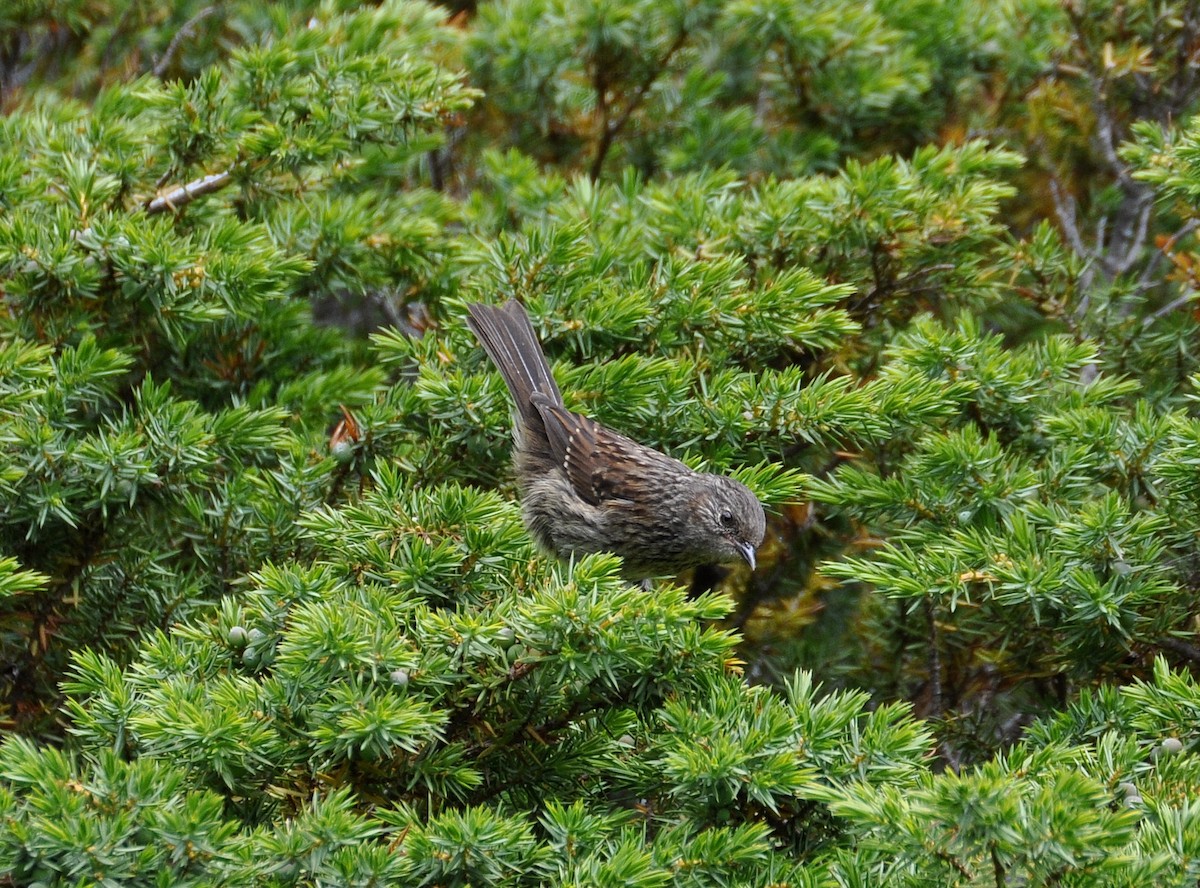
185,194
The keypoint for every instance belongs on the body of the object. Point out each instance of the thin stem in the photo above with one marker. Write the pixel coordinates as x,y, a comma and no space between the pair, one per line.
610,130
185,194
186,31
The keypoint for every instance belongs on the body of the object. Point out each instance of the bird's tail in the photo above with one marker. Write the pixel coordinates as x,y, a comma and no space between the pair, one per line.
507,336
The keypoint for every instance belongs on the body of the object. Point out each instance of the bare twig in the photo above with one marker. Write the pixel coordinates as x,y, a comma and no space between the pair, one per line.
441,159
186,31
908,282
1097,82
1181,647
600,85
1136,242
613,129
1064,208
1101,231
185,194
1145,281
1174,305
1105,135
935,661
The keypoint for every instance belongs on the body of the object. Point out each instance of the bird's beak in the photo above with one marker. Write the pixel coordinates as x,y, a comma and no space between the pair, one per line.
747,551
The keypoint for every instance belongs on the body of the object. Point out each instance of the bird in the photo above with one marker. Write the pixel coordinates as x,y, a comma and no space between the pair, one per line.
587,489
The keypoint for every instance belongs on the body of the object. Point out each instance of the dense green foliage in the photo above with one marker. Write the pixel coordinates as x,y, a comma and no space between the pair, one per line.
920,272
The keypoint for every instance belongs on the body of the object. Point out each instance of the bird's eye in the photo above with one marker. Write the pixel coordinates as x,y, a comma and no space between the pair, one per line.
727,518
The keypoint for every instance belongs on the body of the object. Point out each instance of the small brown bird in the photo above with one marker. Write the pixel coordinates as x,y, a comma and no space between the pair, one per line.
585,488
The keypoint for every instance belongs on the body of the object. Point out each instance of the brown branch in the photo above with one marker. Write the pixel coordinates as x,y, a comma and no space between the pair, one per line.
951,860
1097,83
600,85
1164,251
1106,135
1135,239
1145,282
185,194
1068,220
997,866
1181,647
612,130
186,31
1068,216
935,661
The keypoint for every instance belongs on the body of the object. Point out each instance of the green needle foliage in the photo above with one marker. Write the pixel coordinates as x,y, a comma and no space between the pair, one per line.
921,273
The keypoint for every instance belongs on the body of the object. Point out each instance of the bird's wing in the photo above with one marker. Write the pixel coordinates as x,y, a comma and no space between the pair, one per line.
600,464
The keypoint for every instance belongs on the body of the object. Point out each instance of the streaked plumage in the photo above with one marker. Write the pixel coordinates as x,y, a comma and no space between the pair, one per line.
586,488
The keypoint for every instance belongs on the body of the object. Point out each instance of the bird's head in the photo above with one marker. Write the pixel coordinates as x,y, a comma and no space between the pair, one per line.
732,519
